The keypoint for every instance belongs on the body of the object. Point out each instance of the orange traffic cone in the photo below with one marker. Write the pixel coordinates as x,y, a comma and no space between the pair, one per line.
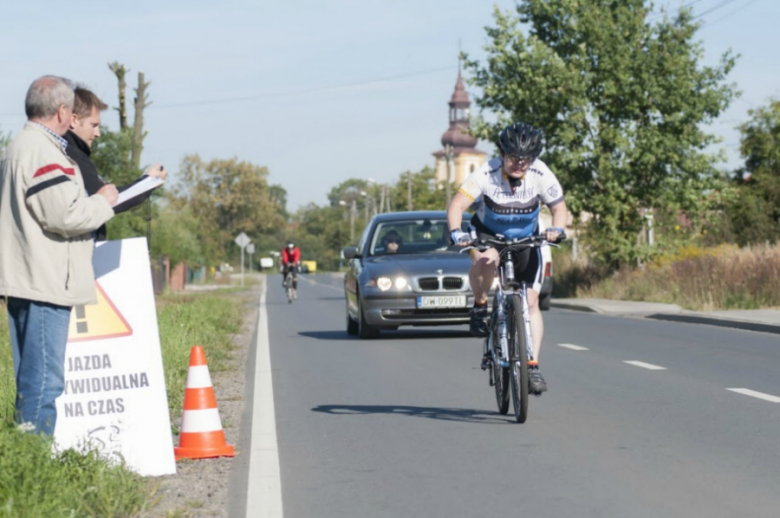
201,428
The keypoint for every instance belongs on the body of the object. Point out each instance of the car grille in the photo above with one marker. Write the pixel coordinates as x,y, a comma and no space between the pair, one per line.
429,283
452,283
440,283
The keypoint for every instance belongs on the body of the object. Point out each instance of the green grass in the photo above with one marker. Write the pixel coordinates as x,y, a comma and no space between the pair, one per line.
36,483
207,319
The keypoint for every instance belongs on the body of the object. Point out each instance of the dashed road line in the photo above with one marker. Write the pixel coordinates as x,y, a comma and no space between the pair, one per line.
573,347
753,393
648,366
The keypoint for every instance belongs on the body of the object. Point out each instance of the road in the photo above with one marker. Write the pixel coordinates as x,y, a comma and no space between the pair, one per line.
641,419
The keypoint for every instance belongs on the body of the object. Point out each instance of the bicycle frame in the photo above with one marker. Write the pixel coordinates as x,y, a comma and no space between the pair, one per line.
514,289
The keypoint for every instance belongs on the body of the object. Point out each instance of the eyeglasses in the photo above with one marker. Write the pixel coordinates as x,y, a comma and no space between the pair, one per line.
517,159
393,240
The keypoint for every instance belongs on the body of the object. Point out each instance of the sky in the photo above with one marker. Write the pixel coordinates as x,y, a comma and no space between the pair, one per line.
319,91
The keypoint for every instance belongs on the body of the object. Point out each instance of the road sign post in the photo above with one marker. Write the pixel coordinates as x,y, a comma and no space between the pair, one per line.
242,240
250,249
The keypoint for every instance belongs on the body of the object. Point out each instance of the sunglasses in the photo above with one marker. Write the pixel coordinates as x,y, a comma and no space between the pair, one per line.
517,159
393,240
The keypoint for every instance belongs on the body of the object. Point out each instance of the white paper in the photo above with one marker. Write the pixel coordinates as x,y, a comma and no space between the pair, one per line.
147,184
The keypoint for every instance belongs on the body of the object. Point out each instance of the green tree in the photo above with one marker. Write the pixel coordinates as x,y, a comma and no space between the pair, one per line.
754,212
112,156
622,100
426,195
227,197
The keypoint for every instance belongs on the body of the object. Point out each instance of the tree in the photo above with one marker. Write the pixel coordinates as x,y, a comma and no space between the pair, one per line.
226,197
754,212
622,101
112,156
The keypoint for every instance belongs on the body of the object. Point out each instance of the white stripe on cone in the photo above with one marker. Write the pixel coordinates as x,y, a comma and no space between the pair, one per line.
198,377
196,421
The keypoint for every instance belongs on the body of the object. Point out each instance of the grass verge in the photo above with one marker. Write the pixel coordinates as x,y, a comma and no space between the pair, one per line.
702,279
34,482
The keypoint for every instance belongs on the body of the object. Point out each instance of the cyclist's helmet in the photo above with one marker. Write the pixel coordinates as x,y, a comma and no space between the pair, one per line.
521,139
290,245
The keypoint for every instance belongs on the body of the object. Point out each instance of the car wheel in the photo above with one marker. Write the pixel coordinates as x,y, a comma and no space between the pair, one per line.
352,325
544,302
365,331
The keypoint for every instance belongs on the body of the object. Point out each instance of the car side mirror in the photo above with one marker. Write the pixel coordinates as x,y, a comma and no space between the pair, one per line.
350,252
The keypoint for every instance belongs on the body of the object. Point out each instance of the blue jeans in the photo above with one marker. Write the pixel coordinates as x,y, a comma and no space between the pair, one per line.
39,333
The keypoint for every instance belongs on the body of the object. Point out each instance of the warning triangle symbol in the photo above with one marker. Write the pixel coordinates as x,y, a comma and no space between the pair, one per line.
98,321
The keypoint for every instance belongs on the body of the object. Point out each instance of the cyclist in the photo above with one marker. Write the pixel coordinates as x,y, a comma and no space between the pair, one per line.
291,261
508,191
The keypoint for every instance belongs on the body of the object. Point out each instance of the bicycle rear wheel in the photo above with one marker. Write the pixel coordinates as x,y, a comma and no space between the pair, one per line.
519,359
500,374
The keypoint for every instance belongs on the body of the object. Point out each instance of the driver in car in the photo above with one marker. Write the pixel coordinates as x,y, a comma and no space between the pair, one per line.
392,242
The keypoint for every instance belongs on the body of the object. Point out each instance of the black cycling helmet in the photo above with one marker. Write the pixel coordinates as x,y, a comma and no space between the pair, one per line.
521,139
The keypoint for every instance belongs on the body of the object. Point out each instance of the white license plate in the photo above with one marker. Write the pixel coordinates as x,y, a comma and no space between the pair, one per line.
442,301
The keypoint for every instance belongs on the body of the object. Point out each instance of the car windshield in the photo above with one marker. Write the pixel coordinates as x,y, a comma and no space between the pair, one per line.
409,237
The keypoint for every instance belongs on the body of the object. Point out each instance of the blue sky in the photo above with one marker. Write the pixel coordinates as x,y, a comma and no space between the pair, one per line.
318,91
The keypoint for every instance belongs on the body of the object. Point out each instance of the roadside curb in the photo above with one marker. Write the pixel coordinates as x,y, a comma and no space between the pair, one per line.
575,307
720,322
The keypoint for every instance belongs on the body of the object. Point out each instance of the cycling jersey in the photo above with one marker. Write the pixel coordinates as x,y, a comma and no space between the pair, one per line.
511,211
291,257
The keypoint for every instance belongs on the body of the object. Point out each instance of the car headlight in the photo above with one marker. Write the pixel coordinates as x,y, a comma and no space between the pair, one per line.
384,283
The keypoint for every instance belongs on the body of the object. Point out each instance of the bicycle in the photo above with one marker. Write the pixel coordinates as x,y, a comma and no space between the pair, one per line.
289,285
508,345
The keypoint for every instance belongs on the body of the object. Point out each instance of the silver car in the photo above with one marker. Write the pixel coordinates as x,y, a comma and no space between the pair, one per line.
403,273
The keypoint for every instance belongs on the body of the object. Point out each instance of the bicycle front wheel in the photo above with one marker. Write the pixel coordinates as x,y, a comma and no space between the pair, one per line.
290,294
500,374
519,359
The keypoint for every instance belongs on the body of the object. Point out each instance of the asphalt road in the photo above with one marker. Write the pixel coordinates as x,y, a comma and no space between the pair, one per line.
406,425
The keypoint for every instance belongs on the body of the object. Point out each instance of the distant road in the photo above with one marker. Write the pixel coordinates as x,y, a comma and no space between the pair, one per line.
643,418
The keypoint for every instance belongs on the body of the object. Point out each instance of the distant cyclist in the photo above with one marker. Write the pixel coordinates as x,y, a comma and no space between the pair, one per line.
291,261
509,191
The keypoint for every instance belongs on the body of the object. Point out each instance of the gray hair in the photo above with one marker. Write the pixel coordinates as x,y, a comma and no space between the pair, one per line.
46,95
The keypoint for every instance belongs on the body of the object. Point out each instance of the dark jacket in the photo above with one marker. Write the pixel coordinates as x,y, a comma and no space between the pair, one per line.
79,151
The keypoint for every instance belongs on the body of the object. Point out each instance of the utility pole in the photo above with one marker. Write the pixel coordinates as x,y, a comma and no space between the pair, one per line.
352,213
409,203
448,158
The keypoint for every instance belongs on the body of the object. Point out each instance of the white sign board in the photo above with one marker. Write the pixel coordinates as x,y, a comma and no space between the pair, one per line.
242,240
115,397
250,248
266,262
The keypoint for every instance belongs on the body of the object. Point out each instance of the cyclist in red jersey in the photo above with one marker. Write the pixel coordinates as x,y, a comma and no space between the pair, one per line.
291,261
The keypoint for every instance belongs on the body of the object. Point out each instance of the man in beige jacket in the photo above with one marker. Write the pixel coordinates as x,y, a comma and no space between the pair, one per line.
46,225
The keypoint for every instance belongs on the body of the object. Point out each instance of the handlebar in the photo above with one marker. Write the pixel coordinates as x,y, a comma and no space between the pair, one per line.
511,244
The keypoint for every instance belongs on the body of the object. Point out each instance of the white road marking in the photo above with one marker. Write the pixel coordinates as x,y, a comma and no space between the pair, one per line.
573,347
264,494
644,365
753,393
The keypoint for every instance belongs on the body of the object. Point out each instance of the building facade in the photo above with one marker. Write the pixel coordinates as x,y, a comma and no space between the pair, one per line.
456,140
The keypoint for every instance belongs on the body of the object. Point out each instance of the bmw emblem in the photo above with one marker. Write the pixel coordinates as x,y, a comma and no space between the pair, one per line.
440,272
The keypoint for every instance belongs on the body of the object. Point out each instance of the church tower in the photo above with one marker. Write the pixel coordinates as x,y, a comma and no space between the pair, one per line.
465,156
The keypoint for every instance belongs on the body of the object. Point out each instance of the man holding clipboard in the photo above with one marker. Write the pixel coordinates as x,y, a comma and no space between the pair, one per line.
84,129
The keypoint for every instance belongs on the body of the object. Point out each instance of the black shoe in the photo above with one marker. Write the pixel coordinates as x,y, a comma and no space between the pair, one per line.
477,325
535,381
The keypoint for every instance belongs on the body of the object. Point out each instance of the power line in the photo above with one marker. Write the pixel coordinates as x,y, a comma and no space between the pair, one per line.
302,91
730,14
287,93
723,3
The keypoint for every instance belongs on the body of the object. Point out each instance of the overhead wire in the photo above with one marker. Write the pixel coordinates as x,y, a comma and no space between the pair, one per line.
286,93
